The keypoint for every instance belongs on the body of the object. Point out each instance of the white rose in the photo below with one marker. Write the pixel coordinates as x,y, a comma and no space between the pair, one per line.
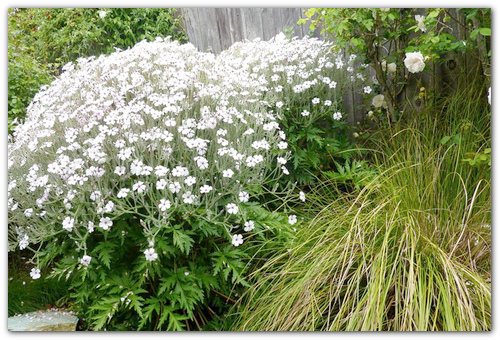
414,62
391,68
378,100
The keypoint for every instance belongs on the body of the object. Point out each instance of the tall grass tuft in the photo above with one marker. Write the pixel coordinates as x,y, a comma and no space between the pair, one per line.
410,252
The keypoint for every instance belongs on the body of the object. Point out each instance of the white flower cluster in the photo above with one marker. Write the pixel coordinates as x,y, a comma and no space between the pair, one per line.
156,127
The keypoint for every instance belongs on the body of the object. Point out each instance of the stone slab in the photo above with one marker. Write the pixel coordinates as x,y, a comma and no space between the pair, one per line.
52,320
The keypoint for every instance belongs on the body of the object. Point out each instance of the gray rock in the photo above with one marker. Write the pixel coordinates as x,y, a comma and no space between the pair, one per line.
52,320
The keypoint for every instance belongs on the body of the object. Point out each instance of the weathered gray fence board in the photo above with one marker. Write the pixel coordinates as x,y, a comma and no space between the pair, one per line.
216,29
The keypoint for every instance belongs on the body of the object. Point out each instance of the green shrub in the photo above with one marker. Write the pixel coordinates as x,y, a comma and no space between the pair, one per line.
26,76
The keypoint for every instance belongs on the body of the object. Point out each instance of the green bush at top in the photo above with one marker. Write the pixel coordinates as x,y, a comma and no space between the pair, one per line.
41,40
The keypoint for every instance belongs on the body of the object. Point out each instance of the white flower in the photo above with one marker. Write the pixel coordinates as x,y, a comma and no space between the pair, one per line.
150,254
205,189
24,242
227,173
109,207
120,170
146,170
85,260
292,219
120,143
367,89
161,184
232,208
139,186
305,113
35,273
190,180
282,145
105,223
125,154
164,204
222,141
337,116
94,196
180,171
249,226
489,95
201,162
90,227
68,223
174,187
285,170
391,67
136,167
414,62
281,160
161,171
244,196
420,22
315,100
328,103
123,193
237,240
302,196
102,14
378,100
188,197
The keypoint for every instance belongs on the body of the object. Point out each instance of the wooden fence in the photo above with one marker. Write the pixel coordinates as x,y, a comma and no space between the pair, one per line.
216,29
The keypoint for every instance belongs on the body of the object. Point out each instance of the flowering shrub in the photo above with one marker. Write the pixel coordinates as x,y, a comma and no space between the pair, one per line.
144,177
304,90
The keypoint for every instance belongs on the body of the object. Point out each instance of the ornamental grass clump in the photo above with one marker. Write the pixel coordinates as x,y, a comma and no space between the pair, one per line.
148,177
411,251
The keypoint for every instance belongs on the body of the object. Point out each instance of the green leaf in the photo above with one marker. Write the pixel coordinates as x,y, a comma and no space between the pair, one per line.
456,139
474,33
433,14
175,320
152,306
485,31
445,139
182,240
310,12
105,252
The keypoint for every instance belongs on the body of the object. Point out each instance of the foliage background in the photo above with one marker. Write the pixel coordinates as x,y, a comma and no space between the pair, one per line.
42,40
